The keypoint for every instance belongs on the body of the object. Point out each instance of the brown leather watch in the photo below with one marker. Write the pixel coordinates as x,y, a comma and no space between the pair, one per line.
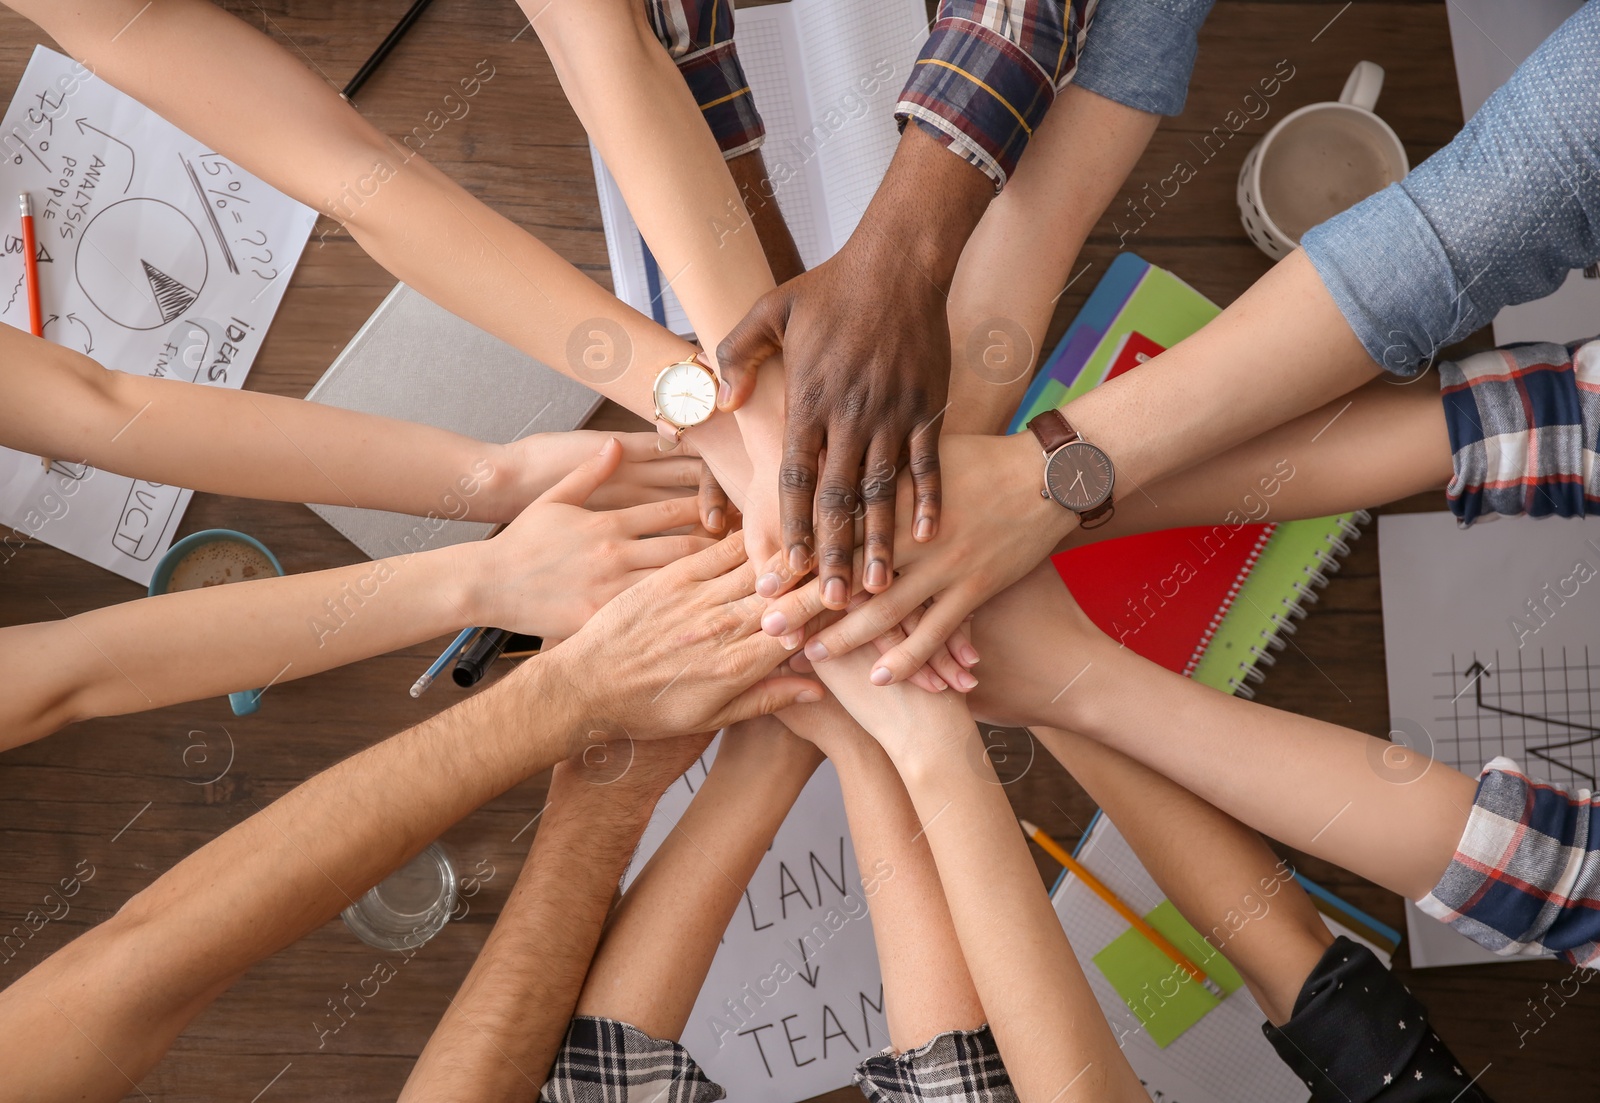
1077,475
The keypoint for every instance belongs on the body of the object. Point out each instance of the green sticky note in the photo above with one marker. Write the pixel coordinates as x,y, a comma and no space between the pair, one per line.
1164,997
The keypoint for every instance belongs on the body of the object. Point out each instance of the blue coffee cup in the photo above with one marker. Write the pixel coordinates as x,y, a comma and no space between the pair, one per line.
245,701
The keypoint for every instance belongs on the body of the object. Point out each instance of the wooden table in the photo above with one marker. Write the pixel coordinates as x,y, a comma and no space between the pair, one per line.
132,795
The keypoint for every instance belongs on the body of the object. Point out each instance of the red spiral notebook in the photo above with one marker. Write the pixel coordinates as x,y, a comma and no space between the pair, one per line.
1162,594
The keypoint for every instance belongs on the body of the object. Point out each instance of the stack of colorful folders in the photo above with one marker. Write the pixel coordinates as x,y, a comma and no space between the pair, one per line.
1213,602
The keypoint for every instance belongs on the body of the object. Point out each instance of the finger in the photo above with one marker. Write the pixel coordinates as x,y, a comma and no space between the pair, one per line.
658,551
645,448
716,561
927,678
960,645
713,502
881,613
941,619
771,694
679,472
758,335
838,502
924,445
582,481
877,495
797,487
654,517
943,663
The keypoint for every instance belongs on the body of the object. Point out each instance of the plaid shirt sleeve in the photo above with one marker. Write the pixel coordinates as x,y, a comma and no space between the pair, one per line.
606,1061
1525,878
988,73
699,36
959,1066
1524,423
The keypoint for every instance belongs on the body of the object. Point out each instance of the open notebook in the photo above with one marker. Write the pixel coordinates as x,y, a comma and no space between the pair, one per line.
825,75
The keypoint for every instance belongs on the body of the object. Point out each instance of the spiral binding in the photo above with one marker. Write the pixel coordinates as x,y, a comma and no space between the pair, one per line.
1307,593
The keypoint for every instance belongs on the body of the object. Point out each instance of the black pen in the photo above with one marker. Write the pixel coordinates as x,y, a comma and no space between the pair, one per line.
475,660
384,48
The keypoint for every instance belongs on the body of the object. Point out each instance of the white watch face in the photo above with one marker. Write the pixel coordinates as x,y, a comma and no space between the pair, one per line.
686,394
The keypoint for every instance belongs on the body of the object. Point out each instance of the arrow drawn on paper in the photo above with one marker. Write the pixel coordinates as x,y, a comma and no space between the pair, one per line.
809,973
133,158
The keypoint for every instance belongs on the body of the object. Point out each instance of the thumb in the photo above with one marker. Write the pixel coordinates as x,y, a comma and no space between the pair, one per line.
582,481
758,335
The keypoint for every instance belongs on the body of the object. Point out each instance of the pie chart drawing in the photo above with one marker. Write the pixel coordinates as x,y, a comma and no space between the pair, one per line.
142,263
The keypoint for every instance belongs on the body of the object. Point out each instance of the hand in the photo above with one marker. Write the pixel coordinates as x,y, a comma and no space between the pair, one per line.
558,562
996,529
909,723
681,651
867,361
1038,642
646,474
829,726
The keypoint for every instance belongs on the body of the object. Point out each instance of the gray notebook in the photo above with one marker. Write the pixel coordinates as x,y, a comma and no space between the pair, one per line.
416,361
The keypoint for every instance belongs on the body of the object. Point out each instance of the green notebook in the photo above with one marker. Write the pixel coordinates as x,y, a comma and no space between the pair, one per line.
1296,560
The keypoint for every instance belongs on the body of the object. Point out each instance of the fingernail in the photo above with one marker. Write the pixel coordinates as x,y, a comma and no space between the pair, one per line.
924,529
775,623
767,585
817,651
799,558
877,573
724,394
965,682
939,684
790,642
969,655
881,676
808,697
834,593
714,520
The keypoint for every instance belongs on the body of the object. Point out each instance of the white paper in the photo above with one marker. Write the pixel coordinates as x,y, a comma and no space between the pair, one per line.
804,917
158,257
1223,1058
1493,647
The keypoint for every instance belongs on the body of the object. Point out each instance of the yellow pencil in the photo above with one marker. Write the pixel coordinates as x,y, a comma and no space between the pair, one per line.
1059,853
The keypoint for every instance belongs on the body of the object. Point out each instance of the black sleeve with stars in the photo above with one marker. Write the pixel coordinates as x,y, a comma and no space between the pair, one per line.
1358,1036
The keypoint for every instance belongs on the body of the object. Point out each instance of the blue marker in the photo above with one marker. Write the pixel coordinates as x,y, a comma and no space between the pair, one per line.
456,647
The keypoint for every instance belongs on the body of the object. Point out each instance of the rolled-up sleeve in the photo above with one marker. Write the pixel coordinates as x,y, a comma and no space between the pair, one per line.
1497,217
989,72
698,34
1142,52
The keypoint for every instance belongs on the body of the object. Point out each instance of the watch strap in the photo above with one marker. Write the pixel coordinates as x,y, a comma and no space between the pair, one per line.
1053,430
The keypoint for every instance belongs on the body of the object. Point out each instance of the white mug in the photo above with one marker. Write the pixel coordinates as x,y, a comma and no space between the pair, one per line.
1318,160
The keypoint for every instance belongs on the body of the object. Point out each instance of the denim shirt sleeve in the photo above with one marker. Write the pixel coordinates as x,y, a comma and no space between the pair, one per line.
1141,53
1497,217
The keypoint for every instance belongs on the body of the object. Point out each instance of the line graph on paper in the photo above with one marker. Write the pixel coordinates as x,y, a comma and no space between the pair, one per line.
1536,705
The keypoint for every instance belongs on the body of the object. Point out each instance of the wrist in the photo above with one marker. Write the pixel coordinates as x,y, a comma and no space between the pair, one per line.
502,484
929,204
1025,471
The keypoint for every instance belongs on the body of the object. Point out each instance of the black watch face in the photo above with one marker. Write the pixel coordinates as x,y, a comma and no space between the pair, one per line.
1078,476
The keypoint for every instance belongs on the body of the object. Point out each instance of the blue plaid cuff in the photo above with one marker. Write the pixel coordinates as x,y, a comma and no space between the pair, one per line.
1523,424
1525,879
718,82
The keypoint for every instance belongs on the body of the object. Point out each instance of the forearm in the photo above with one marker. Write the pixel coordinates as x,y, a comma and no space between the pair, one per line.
659,945
1381,443
749,171
186,646
1280,350
1219,874
500,1034
1320,788
1043,1013
926,985
1023,253
245,444
105,1008
277,119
